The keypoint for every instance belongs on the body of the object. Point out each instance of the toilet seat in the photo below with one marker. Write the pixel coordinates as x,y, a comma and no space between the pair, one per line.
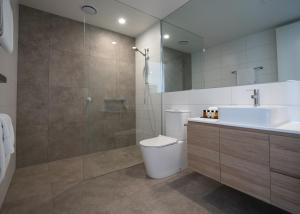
159,141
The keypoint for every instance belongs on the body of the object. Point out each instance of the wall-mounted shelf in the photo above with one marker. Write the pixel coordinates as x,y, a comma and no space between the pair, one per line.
3,79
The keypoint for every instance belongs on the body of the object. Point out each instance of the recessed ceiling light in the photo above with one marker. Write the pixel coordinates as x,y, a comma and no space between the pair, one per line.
166,36
114,43
122,21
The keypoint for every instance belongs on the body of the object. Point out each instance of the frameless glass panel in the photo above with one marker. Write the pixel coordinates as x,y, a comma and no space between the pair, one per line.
89,84
112,68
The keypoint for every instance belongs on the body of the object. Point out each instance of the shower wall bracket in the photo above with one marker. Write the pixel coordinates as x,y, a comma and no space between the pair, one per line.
3,79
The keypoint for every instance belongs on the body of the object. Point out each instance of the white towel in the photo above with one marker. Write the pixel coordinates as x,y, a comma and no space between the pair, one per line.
8,133
2,157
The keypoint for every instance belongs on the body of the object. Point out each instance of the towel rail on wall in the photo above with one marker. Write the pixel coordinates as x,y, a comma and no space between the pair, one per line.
3,79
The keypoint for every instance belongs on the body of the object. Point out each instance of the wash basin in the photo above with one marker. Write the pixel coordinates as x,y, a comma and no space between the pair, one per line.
257,116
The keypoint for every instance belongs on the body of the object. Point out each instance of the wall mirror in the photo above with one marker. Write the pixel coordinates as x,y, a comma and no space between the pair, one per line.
211,43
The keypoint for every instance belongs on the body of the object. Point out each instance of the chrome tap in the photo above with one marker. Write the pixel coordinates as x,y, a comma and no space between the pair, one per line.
255,96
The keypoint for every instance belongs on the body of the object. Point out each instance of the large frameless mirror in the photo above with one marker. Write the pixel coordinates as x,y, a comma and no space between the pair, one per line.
235,43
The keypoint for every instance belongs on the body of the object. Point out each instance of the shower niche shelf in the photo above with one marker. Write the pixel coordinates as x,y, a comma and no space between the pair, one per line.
115,105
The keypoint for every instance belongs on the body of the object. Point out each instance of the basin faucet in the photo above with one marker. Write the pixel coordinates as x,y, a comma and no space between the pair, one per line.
255,97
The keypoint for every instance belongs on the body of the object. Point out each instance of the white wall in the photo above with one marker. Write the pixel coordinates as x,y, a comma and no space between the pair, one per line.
214,67
8,94
280,93
288,49
148,115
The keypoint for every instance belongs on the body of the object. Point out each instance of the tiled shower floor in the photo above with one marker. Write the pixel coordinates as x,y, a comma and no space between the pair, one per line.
102,184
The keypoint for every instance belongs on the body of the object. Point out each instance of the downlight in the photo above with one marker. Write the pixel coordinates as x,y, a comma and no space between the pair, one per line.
89,9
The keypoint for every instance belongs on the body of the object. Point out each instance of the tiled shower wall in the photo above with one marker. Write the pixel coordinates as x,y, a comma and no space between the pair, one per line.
177,70
59,67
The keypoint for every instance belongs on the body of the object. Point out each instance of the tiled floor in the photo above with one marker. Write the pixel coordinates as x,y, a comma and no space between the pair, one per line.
64,188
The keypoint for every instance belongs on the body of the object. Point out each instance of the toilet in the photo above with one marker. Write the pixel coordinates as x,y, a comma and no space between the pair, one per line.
166,155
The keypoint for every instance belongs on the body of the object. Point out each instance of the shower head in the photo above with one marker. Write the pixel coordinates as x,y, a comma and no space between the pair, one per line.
137,50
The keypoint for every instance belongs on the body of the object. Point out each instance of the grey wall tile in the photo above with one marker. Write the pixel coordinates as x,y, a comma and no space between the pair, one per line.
59,67
34,27
66,141
100,41
32,144
33,64
32,105
67,35
67,69
67,105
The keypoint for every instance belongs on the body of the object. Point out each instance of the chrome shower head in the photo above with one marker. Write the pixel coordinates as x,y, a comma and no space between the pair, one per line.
137,50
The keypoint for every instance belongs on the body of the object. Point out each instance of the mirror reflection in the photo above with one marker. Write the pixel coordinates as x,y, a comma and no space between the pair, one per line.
240,43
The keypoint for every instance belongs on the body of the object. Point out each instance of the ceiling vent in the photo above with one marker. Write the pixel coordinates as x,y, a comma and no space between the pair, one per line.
89,9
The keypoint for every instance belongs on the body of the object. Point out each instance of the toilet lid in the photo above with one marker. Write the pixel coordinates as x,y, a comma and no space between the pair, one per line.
159,141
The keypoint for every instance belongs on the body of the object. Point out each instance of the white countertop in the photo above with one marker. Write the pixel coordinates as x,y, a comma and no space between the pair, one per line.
289,127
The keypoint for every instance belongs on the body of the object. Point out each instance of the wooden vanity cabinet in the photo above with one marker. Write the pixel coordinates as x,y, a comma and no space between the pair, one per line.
285,172
203,150
263,164
245,162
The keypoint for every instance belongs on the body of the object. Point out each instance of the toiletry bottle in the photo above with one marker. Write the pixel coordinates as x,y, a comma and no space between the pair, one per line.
216,116
212,114
208,114
204,114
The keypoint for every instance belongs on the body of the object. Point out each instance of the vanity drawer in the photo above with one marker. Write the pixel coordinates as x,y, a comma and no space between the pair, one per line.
285,155
203,135
245,145
245,162
285,192
203,150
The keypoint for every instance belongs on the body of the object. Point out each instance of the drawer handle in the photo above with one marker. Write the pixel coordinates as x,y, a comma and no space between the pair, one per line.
285,173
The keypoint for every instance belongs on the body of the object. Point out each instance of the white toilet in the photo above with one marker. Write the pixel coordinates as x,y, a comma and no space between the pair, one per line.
166,155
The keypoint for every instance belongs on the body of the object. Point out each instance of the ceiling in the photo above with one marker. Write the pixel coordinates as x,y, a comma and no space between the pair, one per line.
108,13
156,8
195,42
219,21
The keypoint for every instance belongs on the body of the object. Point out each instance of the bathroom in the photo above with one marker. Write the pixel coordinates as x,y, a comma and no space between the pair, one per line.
136,106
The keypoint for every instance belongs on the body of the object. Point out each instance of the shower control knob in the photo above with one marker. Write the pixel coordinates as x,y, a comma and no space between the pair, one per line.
89,99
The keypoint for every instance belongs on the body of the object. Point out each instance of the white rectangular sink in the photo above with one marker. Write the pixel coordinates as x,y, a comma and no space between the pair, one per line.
256,116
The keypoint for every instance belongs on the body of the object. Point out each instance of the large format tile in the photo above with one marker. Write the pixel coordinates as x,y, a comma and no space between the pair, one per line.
100,44
68,69
65,174
32,143
125,191
33,64
105,162
67,35
66,140
31,205
103,75
34,26
32,105
67,105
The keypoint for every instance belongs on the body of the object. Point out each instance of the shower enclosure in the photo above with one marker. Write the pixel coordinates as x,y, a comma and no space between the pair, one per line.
82,88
